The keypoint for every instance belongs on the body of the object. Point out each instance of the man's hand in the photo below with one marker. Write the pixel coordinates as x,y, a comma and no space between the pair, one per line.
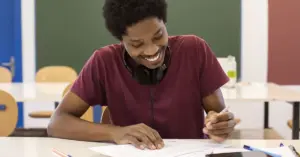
219,126
140,135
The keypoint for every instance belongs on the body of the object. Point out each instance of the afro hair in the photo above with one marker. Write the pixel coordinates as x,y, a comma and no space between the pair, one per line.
120,14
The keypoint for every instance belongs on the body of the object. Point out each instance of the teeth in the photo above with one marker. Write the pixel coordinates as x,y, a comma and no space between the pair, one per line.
152,59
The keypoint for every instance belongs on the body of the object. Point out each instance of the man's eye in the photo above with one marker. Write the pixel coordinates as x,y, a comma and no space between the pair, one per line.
137,45
158,38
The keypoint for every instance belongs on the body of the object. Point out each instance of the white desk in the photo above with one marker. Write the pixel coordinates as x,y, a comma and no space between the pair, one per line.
266,93
260,92
242,92
25,92
41,147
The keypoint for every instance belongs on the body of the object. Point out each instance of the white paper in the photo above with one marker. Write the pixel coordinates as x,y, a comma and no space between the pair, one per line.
173,148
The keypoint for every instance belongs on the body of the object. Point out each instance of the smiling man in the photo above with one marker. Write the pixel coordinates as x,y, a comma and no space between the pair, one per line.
156,86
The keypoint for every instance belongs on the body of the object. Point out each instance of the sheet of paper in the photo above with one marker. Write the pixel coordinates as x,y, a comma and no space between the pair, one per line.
173,148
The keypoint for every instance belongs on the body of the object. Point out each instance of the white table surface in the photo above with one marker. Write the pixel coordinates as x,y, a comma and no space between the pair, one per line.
41,147
24,92
260,92
242,92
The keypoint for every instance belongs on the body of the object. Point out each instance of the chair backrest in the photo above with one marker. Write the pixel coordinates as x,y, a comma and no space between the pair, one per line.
105,117
56,74
88,115
8,113
5,74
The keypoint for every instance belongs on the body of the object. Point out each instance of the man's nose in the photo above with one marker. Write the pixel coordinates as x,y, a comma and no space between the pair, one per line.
151,50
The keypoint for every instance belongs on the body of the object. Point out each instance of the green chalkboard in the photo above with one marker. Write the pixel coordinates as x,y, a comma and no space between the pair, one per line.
68,31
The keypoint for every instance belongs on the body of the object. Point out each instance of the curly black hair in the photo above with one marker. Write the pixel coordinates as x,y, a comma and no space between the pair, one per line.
120,14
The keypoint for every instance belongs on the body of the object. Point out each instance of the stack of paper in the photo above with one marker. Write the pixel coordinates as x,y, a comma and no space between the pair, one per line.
173,148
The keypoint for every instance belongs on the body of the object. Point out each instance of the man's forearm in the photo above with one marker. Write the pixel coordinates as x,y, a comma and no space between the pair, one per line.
70,127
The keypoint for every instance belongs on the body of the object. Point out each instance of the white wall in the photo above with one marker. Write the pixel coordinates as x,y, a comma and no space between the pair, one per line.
28,39
254,49
254,40
255,68
29,63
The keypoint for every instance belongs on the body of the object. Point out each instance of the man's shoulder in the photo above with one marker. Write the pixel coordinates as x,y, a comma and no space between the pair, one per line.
190,46
188,39
108,52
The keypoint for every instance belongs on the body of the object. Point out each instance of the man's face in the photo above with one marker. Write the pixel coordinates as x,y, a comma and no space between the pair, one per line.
146,42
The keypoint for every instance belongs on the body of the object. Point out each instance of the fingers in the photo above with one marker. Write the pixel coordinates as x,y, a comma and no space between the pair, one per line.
147,135
211,115
154,136
221,125
132,140
159,142
225,116
148,132
214,117
219,138
218,131
139,135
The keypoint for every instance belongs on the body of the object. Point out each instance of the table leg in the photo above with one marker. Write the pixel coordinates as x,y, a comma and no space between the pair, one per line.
56,104
266,119
295,132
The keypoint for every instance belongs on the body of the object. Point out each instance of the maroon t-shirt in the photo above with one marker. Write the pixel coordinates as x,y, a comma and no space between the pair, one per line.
173,107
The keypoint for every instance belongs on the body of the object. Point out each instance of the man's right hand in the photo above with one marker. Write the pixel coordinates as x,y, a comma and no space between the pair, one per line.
140,135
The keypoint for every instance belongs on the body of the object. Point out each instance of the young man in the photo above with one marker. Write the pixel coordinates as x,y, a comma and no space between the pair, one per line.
155,86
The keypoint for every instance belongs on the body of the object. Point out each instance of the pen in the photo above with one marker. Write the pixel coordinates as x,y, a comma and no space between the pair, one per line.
224,110
281,145
59,154
255,149
292,148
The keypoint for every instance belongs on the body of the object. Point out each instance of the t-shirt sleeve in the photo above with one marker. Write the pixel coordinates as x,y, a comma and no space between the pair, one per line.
89,85
212,76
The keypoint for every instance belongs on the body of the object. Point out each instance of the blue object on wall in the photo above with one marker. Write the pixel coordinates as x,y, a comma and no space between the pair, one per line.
2,107
11,42
20,123
97,110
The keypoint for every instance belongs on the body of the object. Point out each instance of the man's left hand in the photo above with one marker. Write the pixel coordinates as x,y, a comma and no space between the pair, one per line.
219,126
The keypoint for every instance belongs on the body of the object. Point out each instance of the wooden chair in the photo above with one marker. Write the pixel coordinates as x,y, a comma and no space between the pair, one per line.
88,115
8,114
290,124
53,74
105,117
56,74
5,74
